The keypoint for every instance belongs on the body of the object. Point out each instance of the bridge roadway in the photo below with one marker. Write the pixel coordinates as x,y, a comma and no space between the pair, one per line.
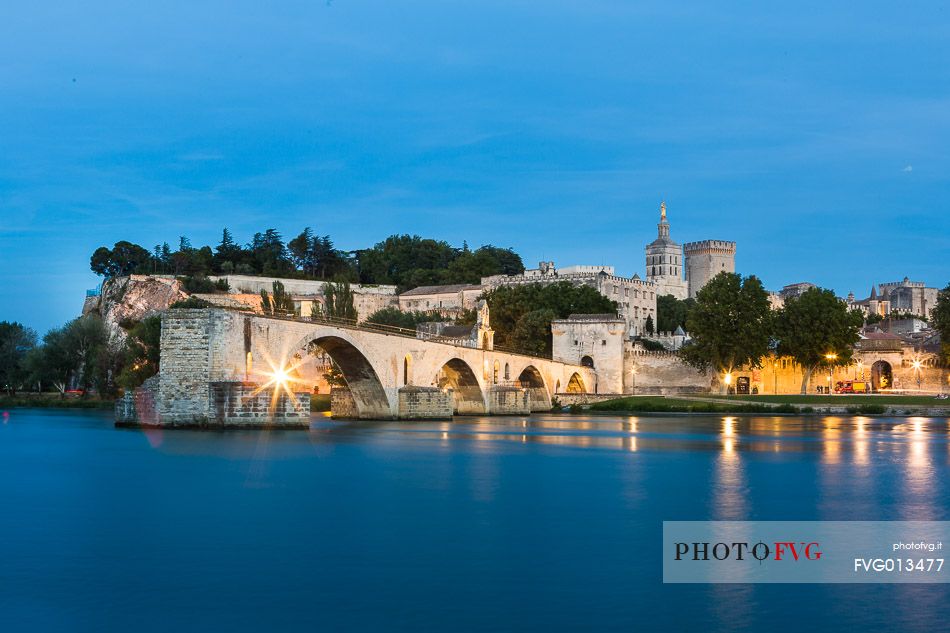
215,360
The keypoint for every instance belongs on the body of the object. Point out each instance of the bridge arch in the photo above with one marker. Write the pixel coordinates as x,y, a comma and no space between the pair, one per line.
361,378
467,396
532,379
576,384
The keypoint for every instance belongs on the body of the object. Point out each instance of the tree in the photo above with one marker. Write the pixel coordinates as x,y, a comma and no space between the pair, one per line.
339,301
141,353
86,341
817,330
940,320
532,332
671,312
279,302
123,259
16,341
409,261
397,318
730,324
649,324
511,304
81,353
51,363
268,253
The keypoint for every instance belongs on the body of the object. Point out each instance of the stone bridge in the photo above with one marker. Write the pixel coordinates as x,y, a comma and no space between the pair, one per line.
229,368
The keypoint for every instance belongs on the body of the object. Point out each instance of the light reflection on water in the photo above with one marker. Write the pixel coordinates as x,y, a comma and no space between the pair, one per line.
546,522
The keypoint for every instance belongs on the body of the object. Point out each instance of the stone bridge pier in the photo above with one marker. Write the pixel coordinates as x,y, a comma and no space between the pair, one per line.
230,368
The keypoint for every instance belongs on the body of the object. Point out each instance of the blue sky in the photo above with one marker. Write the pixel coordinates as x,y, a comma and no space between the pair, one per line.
814,134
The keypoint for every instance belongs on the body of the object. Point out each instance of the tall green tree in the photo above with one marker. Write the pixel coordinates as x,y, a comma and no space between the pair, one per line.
228,254
409,261
141,354
301,251
730,325
124,258
510,305
671,312
398,318
87,344
279,302
269,254
50,364
532,332
339,301
817,330
940,320
16,341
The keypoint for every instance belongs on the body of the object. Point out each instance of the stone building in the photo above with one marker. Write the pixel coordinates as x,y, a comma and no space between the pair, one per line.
906,296
592,340
600,341
308,295
909,296
874,304
449,300
635,297
664,261
705,260
776,300
792,291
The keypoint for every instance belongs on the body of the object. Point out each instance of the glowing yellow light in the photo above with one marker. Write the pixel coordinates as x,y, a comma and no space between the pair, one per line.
727,378
917,364
831,356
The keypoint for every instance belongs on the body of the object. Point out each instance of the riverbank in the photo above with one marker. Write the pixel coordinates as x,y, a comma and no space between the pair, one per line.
867,405
53,401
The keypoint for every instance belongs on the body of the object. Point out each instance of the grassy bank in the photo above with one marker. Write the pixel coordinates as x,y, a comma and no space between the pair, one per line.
319,402
659,404
844,400
53,401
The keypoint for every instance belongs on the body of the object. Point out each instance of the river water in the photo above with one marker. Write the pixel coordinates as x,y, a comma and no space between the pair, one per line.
547,523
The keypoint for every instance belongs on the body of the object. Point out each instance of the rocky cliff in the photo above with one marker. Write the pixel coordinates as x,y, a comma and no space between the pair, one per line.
126,300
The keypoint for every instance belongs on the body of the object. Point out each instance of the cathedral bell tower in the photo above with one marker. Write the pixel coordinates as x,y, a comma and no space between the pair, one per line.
664,259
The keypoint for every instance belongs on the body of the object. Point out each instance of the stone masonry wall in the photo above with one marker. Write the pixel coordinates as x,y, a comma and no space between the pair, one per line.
342,404
245,404
185,367
509,401
424,403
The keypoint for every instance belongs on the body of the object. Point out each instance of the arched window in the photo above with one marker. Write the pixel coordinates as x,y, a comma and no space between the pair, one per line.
407,370
507,372
494,376
587,361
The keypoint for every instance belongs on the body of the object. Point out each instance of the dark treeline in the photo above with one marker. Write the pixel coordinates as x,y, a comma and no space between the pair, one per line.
82,355
406,261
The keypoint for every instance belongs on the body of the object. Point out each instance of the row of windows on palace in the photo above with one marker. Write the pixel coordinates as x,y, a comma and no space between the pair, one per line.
636,293
662,259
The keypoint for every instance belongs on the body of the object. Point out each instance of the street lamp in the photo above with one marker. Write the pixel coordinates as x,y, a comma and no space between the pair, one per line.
916,365
831,356
728,380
